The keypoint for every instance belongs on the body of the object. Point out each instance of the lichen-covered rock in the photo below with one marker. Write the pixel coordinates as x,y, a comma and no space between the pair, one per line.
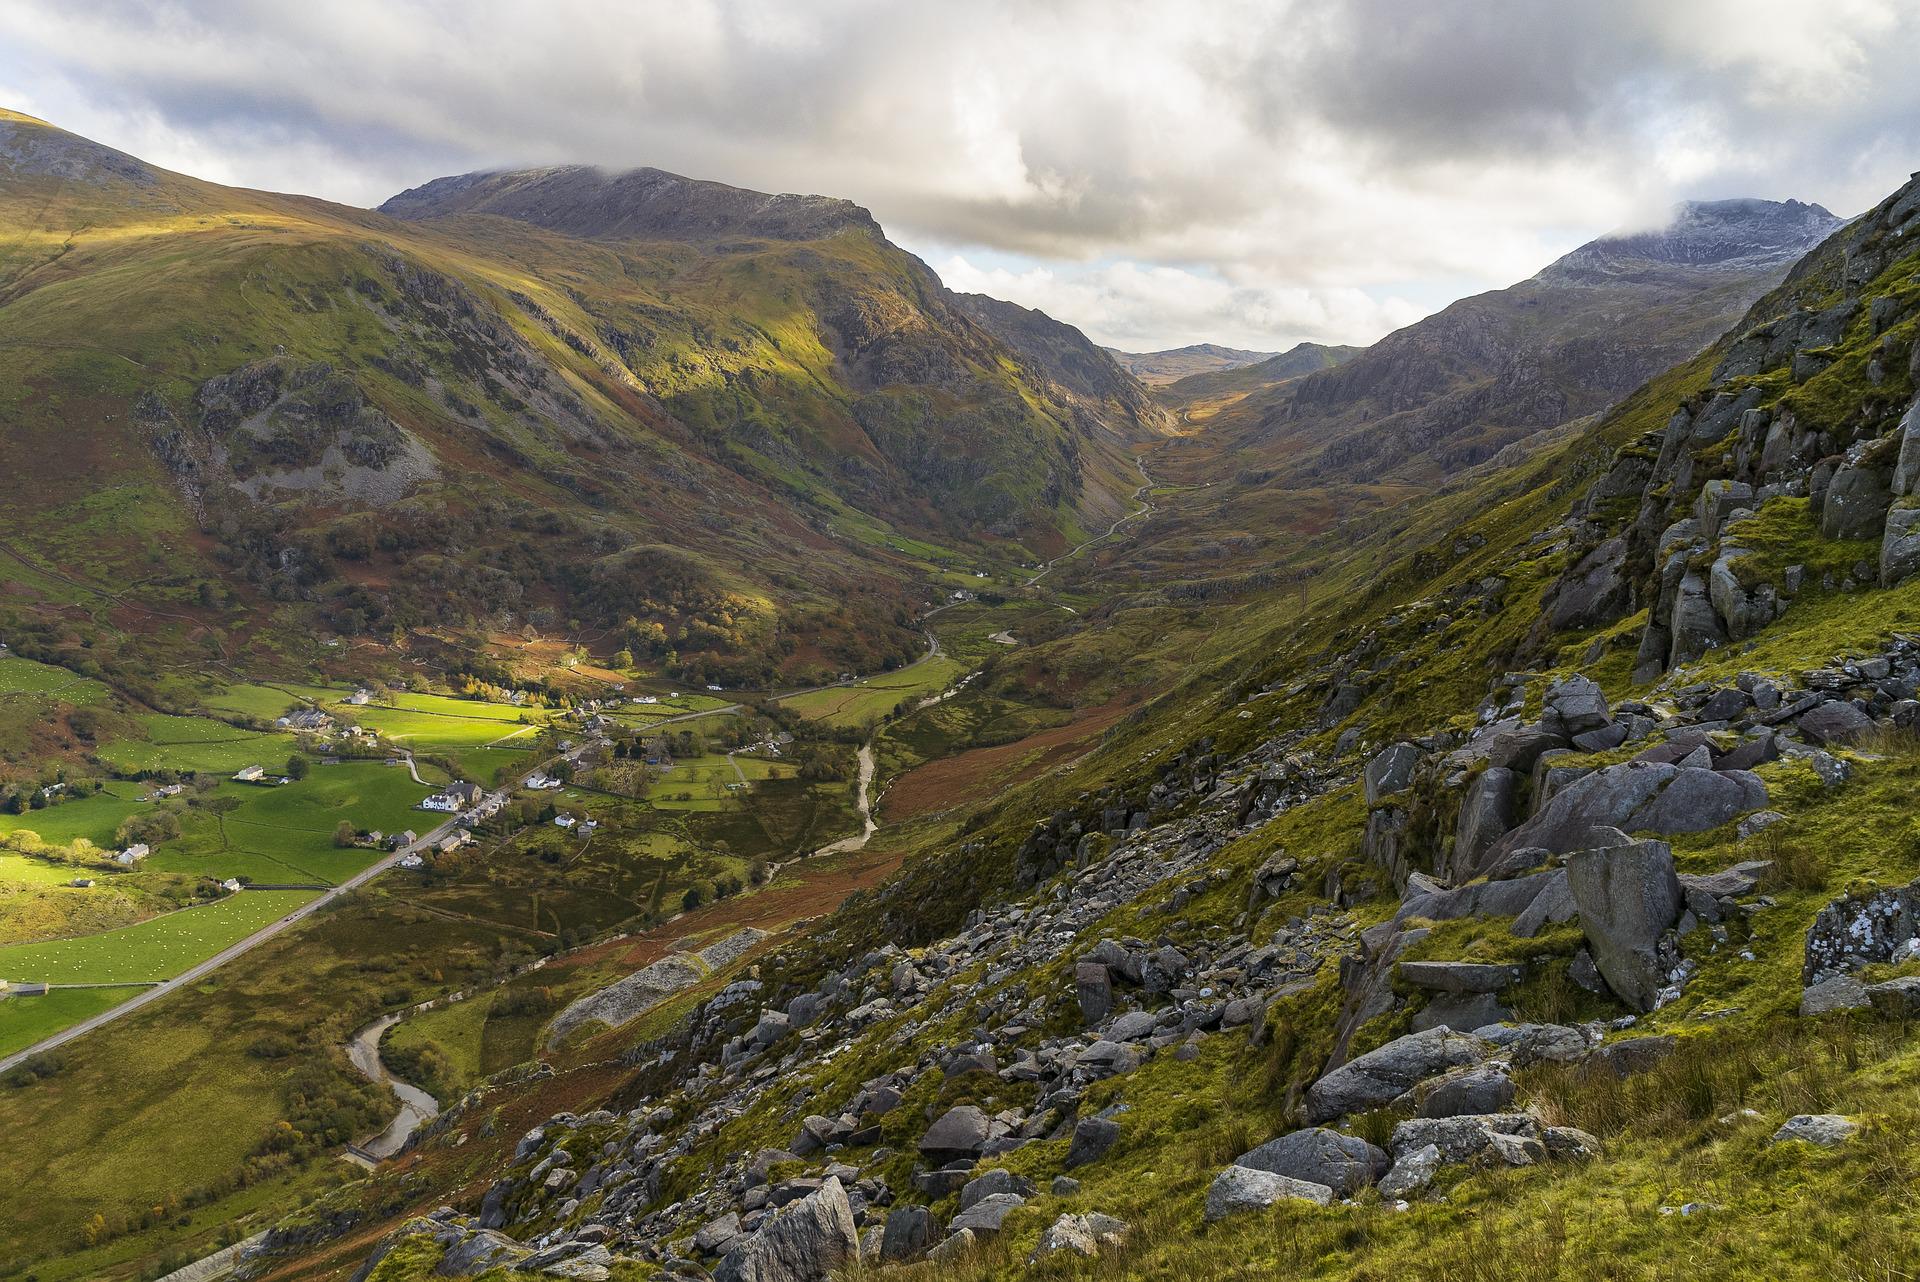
804,1241
1344,1163
1240,1188
1383,1075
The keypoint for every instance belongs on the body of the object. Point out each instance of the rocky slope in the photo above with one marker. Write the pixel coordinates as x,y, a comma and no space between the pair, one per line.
1432,897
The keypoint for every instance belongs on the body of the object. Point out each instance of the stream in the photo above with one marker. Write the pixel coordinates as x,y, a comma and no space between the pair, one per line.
864,804
416,1106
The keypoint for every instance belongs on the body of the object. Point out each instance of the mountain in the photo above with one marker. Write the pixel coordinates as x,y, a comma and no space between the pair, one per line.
1070,360
1158,368
1427,901
750,419
1203,395
1452,390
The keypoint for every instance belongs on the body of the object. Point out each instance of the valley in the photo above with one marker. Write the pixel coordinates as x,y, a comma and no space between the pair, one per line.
605,725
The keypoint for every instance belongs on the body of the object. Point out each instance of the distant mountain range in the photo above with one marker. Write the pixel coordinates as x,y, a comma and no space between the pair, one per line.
1452,390
1158,368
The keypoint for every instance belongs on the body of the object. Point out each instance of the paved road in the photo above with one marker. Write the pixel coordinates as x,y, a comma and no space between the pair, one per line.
1140,495
227,954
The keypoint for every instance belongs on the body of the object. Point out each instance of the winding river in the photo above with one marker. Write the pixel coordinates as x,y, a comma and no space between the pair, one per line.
417,1108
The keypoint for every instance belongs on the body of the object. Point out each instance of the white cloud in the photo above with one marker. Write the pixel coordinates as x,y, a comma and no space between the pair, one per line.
1310,162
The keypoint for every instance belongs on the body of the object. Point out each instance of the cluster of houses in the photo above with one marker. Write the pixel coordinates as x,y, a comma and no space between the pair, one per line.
166,790
582,827
309,720
455,798
540,781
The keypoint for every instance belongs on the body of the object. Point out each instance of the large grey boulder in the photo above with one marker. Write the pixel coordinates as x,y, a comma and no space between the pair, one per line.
1835,722
1486,813
988,1214
1093,985
1344,1163
1458,977
803,1241
1906,468
1460,1139
1383,1075
1628,898
1240,1188
1823,1129
1841,992
1411,1172
908,1234
1578,703
1601,800
1695,625
1083,1235
1092,1137
1697,800
1390,771
960,1132
1856,503
1476,1092
1463,1011
1900,546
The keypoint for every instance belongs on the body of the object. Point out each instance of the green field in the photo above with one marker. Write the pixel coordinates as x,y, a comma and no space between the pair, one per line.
196,743
26,677
153,950
285,834
94,818
25,1020
876,697
24,870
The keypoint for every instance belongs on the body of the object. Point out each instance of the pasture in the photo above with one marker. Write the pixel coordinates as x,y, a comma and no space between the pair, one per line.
155,949
25,1020
876,697
93,818
196,743
25,677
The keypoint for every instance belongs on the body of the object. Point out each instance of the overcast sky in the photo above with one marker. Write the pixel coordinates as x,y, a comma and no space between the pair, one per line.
1246,173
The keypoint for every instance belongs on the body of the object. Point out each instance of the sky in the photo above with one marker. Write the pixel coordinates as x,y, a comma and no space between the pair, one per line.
1253,174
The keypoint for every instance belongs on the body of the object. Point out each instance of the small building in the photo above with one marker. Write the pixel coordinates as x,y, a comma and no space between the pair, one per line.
441,802
309,719
401,840
467,794
360,698
564,821
454,840
132,854
249,774
588,826
411,860
232,886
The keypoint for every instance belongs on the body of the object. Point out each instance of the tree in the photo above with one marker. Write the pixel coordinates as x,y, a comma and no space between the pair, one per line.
692,899
297,766
343,834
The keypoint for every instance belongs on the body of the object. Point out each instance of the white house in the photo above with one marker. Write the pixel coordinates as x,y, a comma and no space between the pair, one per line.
442,802
231,885
250,774
564,821
132,854
411,860
360,698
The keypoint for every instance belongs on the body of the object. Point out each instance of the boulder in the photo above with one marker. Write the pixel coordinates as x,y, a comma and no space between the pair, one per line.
1520,749
1383,1075
1477,1092
1603,799
954,1248
1900,546
1570,1144
988,1214
1411,1173
1628,898
1344,1163
1631,1055
1823,1129
1239,1188
1841,992
1083,1235
1835,723
1133,1026
1899,998
1486,813
1856,502
1578,703
1698,799
1457,977
1092,1137
1460,1139
1390,771
1093,985
991,1182
716,1236
1858,929
804,1241
1462,1011
961,1132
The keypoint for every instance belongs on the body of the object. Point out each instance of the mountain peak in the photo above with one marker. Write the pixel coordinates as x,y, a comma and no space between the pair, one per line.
30,147
631,204
1740,234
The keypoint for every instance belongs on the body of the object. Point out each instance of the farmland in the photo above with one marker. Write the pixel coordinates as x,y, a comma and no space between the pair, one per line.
153,950
871,700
